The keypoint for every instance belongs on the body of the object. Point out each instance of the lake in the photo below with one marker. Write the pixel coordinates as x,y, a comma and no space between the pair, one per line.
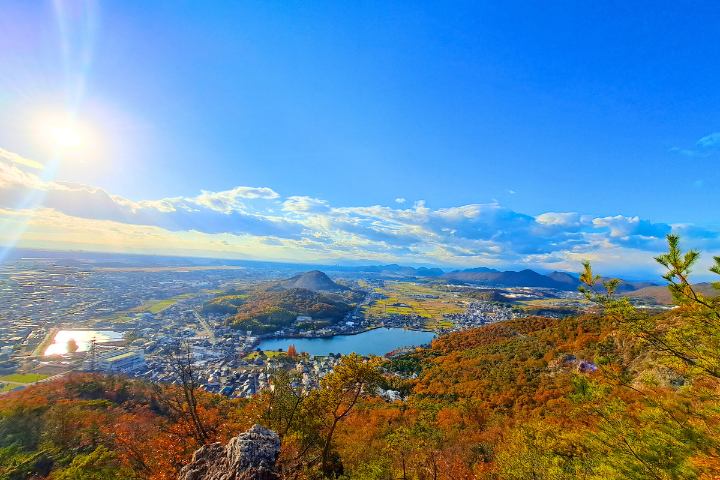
374,342
82,338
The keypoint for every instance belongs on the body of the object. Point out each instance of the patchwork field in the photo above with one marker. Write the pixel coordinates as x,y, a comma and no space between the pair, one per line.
23,377
405,298
123,319
152,306
268,354
155,306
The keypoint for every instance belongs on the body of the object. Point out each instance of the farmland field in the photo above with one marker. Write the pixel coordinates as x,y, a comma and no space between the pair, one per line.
152,306
406,298
24,377
268,353
162,305
155,306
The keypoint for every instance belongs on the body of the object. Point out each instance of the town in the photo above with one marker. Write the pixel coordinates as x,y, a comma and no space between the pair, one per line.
59,316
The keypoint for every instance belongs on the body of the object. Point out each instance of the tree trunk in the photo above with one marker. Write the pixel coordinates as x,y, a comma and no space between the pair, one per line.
326,449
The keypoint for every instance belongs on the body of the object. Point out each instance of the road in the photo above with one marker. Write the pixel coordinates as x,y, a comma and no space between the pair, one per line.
46,342
205,325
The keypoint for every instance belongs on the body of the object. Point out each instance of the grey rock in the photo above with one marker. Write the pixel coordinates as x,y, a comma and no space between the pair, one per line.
249,456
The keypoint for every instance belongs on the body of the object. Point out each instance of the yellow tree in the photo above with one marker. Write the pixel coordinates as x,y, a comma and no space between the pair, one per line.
340,391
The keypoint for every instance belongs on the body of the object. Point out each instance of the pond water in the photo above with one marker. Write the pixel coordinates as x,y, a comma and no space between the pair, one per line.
82,338
374,342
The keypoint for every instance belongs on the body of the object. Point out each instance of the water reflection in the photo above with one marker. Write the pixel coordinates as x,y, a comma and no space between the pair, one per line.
376,342
82,339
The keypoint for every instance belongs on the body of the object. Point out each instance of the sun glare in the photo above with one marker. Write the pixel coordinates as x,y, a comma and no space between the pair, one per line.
66,136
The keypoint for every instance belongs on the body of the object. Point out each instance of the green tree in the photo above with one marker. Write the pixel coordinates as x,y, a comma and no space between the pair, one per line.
402,444
16,463
101,464
688,338
284,402
591,289
290,413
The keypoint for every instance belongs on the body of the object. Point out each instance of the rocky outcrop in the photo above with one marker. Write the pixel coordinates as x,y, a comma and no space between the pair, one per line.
249,456
568,361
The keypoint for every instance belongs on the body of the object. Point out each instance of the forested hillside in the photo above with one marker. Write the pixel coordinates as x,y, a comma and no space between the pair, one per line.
265,311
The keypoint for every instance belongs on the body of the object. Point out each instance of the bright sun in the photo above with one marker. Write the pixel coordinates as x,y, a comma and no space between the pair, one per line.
66,136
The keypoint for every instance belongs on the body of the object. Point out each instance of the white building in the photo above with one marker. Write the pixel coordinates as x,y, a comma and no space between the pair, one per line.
121,361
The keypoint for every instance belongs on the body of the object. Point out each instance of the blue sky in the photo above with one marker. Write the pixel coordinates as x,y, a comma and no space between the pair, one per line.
493,120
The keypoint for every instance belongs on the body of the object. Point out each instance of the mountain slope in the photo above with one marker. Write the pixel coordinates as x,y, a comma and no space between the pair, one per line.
565,278
626,287
662,295
480,269
314,280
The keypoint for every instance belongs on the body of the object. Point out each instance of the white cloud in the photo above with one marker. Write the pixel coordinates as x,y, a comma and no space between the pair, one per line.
310,228
710,140
11,176
15,158
305,204
208,213
400,200
229,200
621,226
553,218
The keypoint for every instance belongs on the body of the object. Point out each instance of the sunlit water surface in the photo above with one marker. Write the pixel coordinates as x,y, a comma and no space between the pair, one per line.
375,342
82,338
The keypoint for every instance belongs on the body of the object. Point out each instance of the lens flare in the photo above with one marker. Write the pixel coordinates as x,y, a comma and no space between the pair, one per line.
66,136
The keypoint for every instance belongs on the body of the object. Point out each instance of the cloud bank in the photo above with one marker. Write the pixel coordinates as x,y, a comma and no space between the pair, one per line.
260,222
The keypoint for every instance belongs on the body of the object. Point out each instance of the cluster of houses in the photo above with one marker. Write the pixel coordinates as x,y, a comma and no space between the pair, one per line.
478,314
242,378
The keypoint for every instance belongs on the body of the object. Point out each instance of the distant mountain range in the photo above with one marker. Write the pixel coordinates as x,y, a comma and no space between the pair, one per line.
530,278
314,280
318,281
492,277
395,269
524,278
